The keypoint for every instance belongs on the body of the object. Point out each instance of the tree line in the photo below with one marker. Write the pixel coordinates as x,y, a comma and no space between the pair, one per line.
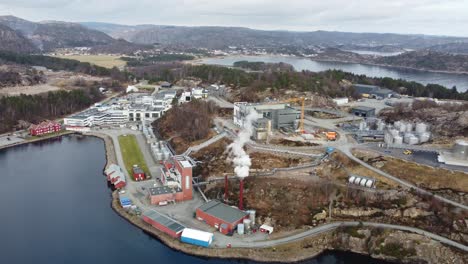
35,108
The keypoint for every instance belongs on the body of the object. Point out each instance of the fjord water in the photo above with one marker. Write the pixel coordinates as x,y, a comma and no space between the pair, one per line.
56,209
446,79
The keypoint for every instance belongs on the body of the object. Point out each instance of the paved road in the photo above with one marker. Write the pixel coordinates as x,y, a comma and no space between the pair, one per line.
332,226
205,144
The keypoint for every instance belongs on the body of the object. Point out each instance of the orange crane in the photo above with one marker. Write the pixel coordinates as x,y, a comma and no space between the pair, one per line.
301,121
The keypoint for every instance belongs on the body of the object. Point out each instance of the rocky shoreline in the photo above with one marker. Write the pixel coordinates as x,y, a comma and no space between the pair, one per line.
358,241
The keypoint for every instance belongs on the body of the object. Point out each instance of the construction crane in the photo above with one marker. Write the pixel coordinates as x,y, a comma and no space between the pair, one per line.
300,100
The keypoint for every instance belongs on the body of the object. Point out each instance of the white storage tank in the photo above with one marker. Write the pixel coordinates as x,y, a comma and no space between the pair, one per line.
402,127
406,137
252,217
362,125
357,180
369,183
409,127
247,224
424,137
394,132
421,127
351,179
380,125
240,229
397,124
398,140
196,237
363,182
413,140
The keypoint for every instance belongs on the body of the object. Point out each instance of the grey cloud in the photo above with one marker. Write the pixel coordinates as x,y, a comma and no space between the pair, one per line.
415,16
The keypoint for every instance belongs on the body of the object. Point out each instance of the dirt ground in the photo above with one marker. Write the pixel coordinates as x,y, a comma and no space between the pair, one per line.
215,160
421,175
55,81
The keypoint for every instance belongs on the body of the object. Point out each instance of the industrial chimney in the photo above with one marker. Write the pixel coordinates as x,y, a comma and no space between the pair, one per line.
241,194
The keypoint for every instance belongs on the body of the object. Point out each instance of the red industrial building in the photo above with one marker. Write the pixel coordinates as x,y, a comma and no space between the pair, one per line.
138,173
116,176
176,177
163,223
45,127
221,216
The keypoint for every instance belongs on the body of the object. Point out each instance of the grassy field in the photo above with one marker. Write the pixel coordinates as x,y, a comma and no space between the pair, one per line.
131,153
100,60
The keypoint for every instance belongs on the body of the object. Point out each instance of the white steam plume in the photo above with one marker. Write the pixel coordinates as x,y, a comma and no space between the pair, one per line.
241,159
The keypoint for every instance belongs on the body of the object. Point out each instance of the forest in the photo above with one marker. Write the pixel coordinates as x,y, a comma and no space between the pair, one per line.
35,108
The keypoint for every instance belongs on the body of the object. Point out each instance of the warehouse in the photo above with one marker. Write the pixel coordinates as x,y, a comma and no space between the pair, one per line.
363,111
217,214
163,223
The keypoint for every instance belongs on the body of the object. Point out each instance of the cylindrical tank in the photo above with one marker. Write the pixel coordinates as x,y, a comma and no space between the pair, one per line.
394,132
252,217
460,149
247,224
240,229
369,183
363,182
409,127
402,127
362,125
398,140
424,137
388,138
380,125
397,124
413,140
357,180
351,179
421,127
407,137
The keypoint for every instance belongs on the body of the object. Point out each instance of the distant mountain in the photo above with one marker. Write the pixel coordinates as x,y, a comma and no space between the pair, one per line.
11,40
379,48
120,46
455,48
116,30
49,35
221,37
427,60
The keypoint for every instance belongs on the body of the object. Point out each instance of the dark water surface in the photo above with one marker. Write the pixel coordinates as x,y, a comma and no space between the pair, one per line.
56,209
446,79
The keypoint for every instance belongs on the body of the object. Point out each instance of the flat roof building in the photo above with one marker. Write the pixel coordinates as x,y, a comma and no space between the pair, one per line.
363,111
163,223
216,213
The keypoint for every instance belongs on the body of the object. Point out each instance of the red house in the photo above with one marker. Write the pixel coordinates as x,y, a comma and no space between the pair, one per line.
138,173
116,176
163,223
45,127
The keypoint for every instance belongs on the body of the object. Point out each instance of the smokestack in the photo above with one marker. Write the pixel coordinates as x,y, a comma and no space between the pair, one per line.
225,187
241,194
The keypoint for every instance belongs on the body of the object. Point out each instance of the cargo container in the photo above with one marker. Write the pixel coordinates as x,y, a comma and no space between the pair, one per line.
196,237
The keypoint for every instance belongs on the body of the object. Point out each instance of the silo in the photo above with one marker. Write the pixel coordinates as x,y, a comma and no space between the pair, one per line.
357,180
247,224
363,182
252,217
402,127
380,125
394,132
397,124
424,137
240,229
362,125
413,140
369,183
460,149
388,138
351,179
398,140
409,127
421,127
406,137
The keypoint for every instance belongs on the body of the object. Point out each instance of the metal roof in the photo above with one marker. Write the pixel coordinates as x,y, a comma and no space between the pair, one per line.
164,220
222,211
363,108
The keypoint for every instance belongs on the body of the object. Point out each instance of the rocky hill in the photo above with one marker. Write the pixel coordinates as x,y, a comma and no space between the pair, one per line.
120,46
10,40
49,35
427,60
455,48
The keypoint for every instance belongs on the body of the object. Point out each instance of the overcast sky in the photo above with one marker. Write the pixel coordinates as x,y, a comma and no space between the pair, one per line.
436,17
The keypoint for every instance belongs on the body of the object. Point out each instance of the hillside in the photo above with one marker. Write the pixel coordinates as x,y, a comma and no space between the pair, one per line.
10,40
220,37
50,35
120,46
427,60
455,48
